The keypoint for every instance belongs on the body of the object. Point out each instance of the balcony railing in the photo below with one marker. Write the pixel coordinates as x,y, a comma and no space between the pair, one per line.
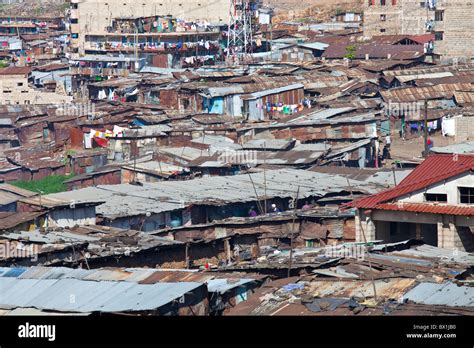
99,71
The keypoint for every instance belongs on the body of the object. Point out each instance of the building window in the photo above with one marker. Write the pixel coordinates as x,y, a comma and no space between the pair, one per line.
19,84
422,4
438,36
393,228
382,30
439,16
466,195
383,17
382,2
436,197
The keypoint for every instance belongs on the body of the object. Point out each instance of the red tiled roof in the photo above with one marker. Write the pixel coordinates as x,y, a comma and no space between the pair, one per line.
428,208
434,169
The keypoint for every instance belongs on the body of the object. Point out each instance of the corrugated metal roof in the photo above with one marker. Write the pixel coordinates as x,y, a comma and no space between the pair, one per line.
223,285
349,148
35,311
401,52
278,90
417,94
393,288
459,148
322,114
443,255
435,75
130,200
446,294
100,296
268,144
463,97
314,45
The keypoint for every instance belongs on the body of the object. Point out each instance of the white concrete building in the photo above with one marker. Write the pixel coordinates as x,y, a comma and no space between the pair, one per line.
435,203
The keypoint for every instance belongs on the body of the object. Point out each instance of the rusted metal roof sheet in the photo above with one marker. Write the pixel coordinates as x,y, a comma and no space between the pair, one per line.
464,97
176,276
415,94
15,70
394,288
384,51
430,70
11,220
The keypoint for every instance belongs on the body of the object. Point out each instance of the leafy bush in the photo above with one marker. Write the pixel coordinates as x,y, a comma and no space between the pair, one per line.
350,52
49,184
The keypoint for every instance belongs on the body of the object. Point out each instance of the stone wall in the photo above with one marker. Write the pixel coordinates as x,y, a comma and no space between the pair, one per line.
455,237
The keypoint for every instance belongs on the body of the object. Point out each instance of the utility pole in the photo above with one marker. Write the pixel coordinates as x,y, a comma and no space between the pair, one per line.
135,156
265,175
256,194
425,129
295,202
394,177
135,63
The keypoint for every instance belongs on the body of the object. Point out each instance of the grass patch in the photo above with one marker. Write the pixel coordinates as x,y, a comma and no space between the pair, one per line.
49,184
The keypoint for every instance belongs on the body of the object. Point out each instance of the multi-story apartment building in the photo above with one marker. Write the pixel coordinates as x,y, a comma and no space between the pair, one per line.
91,20
451,21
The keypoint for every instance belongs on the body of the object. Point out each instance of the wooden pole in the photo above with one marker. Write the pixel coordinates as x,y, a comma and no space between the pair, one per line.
186,255
290,261
256,194
425,154
265,176
365,241
368,258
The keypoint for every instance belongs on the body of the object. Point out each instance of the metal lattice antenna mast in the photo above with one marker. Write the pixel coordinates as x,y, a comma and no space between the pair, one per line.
240,27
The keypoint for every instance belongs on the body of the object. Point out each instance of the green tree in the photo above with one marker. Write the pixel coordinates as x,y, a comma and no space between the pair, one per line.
350,52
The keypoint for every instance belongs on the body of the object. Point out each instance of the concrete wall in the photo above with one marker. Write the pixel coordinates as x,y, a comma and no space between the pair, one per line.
455,237
452,232
408,17
364,224
405,17
14,89
450,187
93,16
458,28
72,217
464,129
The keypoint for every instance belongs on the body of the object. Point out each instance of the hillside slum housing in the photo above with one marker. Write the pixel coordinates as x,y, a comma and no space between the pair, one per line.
197,181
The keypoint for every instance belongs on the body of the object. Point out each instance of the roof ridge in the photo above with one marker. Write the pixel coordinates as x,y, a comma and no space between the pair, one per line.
407,185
